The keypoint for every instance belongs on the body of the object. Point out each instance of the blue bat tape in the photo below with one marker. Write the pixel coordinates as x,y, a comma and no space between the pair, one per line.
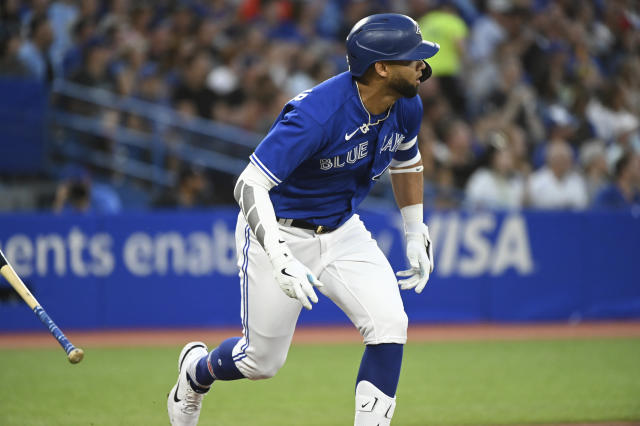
53,328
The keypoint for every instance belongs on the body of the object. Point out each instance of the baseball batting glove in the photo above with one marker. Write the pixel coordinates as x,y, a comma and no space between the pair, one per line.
420,255
294,278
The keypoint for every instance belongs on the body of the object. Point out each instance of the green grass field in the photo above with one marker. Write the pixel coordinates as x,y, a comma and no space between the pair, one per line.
442,383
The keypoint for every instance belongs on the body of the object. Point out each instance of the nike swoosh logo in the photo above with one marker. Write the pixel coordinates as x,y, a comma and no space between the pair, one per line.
348,136
281,241
284,272
374,403
175,394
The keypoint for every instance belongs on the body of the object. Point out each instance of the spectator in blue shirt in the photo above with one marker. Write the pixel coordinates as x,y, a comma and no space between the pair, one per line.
34,53
624,192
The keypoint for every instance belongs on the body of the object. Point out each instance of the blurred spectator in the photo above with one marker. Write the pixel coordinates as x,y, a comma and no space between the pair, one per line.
593,160
556,185
353,11
627,138
191,191
34,52
436,107
94,71
609,113
489,30
499,27
262,97
496,185
519,149
456,151
443,194
443,26
32,8
192,88
10,64
512,100
89,9
583,129
62,14
82,33
10,15
629,77
78,193
624,191
150,85
560,123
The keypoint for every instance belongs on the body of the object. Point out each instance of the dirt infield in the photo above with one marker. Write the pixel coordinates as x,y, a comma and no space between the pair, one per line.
334,334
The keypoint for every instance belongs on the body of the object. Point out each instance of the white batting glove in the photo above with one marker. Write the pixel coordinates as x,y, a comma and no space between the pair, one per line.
420,255
294,278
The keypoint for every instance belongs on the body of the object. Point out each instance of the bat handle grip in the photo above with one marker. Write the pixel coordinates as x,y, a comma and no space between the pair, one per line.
53,328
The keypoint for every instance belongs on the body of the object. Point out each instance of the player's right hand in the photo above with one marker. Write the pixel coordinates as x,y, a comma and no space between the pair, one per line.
295,279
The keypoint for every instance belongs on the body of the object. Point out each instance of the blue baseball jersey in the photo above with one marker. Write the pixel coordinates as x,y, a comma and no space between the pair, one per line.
324,156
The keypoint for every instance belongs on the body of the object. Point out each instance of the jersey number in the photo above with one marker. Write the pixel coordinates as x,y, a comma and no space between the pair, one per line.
302,95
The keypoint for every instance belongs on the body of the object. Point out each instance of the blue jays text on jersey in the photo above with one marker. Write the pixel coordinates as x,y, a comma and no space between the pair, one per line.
324,152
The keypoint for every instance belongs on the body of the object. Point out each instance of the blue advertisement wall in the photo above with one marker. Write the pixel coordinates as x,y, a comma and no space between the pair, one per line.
178,269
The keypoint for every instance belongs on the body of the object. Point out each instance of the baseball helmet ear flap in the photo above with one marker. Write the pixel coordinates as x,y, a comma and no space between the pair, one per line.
426,72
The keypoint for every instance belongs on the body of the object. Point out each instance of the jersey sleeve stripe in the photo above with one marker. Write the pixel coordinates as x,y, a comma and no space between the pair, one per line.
408,144
405,163
256,162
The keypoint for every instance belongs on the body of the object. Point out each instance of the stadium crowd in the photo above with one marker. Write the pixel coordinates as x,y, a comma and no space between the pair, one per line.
533,103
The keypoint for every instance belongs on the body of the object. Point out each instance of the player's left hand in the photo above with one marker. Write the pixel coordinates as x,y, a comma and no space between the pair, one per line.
420,255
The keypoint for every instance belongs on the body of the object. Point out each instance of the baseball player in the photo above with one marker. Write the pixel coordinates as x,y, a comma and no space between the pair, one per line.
297,228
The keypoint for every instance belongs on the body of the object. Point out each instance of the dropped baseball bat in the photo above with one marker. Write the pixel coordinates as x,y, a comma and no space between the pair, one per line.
74,354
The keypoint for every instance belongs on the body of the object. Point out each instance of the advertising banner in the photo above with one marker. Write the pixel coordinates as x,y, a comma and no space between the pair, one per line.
178,269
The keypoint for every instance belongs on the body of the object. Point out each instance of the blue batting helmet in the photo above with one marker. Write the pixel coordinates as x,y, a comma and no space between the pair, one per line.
387,37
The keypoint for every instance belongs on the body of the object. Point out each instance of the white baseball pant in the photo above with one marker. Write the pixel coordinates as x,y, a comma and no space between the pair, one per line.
356,276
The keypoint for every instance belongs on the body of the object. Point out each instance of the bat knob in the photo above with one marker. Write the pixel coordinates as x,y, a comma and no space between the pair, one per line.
76,355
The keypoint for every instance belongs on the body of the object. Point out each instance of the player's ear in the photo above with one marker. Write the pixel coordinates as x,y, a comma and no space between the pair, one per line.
382,69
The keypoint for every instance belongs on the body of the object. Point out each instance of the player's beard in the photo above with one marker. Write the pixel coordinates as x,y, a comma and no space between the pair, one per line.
403,87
